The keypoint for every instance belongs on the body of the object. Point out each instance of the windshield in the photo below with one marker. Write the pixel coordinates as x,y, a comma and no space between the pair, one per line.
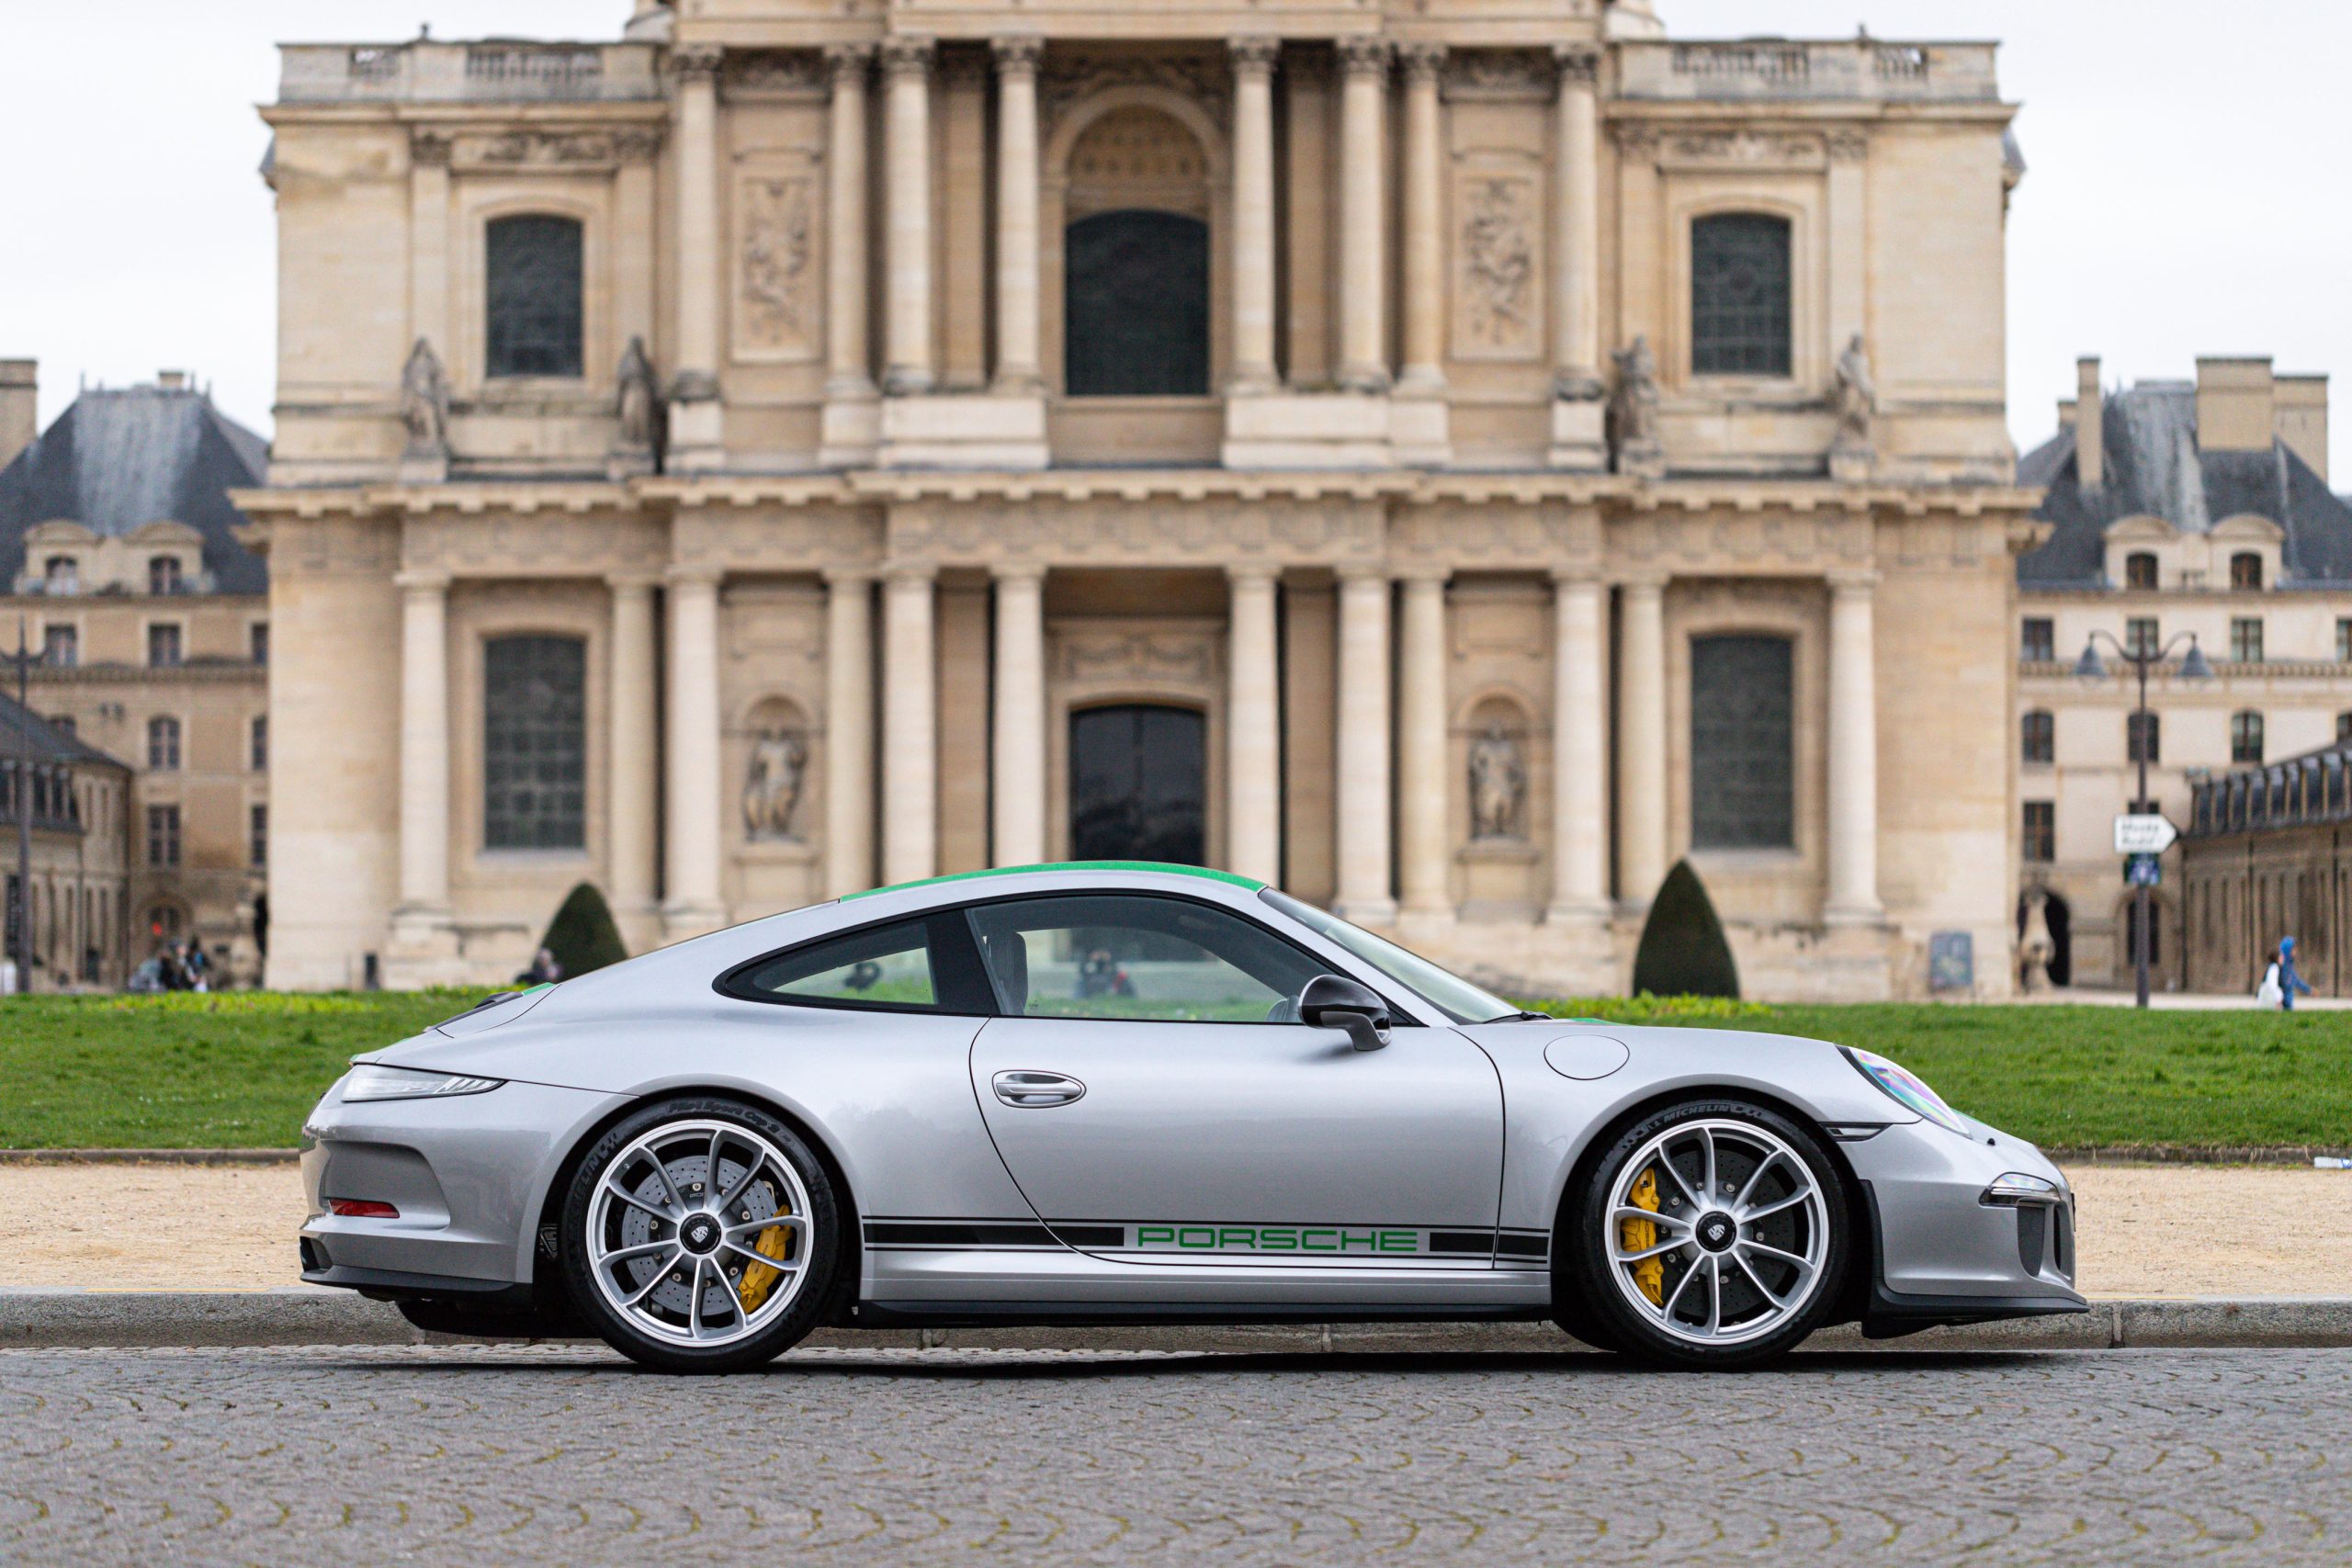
1455,996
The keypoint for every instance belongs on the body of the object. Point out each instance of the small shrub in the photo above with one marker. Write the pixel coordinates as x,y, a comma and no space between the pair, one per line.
1682,951
582,936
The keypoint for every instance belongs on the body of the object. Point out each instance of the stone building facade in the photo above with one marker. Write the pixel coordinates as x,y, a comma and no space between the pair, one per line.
119,548
2267,853
1453,458
80,802
2178,510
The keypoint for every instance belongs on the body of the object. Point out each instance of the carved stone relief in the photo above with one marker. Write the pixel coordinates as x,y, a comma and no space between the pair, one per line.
774,72
1069,76
1141,658
1745,148
1498,74
777,278
554,149
1496,267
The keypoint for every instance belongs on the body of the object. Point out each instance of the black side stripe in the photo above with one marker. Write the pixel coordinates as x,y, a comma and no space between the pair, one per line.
1477,1242
1524,1243
937,1233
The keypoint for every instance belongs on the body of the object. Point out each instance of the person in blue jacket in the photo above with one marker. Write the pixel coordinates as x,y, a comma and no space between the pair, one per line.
2289,981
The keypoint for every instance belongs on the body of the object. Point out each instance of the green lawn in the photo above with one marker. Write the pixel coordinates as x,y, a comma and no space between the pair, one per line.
239,1069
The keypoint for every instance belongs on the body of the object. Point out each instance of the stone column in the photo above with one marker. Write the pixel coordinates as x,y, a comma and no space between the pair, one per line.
909,728
1364,263
1424,243
1253,214
1364,750
1579,749
1017,783
906,64
849,732
847,373
693,903
1254,843
425,742
694,429
1575,214
1853,750
1641,744
1422,754
630,751
1018,367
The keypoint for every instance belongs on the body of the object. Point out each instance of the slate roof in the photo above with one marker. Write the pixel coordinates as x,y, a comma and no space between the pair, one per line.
119,459
2155,468
49,743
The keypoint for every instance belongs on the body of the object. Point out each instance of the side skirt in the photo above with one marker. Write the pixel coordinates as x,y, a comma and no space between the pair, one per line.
1088,1315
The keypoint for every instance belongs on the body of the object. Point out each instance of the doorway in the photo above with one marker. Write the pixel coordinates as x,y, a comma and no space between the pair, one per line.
1138,774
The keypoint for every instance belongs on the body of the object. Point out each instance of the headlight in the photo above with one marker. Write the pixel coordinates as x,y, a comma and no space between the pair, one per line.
369,1081
2012,1188
1905,1091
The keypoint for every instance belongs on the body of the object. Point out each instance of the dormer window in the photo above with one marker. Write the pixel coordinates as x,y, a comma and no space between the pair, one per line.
2246,570
2140,569
61,574
162,574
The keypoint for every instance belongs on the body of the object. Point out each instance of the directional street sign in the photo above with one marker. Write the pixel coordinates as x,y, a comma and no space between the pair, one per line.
2149,834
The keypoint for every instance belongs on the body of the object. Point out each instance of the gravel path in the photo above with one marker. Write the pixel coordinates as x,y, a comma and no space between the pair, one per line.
469,1456
2145,1230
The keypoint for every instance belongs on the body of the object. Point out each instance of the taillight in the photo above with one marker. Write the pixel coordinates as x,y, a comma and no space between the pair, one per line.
361,1209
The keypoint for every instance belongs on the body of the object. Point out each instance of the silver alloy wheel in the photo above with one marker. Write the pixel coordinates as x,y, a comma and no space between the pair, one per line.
1741,1232
675,1226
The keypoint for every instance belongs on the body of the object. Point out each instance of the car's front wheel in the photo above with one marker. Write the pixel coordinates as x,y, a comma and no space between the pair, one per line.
699,1235
1713,1233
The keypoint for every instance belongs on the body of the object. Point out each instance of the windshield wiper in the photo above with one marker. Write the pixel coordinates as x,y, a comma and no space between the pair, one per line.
1522,1016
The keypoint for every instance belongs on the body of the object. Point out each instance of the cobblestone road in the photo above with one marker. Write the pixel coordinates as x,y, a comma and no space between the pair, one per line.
484,1455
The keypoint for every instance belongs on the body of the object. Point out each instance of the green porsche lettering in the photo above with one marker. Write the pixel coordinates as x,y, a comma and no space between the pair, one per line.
1276,1238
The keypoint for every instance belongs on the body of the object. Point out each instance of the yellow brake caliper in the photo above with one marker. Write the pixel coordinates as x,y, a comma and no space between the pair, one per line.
1639,1236
759,1279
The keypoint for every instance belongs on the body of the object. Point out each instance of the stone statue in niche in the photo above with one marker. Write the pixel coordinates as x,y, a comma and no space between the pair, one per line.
636,406
425,403
1855,398
1633,411
1498,787
2036,947
772,790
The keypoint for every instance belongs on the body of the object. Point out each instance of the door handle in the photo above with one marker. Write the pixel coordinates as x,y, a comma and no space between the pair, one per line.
1034,1091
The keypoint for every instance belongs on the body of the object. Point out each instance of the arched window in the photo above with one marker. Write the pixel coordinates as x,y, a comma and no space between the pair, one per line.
2142,737
532,267
1743,794
1740,295
2038,737
164,743
2245,738
1135,307
534,743
2140,569
2246,570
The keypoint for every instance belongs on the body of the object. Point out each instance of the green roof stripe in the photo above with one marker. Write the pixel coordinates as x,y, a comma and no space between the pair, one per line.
1151,865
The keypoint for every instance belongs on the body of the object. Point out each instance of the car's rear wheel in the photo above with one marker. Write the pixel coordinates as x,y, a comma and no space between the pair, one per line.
1713,1234
699,1235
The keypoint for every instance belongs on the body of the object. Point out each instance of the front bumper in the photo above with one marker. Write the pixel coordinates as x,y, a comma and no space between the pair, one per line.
469,1175
1940,1255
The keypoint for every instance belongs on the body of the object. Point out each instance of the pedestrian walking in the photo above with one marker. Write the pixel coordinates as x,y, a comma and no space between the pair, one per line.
2279,982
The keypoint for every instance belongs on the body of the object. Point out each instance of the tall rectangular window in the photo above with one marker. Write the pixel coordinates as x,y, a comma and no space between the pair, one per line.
1740,295
163,836
2038,639
2142,737
260,643
260,742
164,743
2041,836
532,292
164,645
2038,737
163,574
2344,639
257,835
534,743
1742,743
2246,737
2140,635
61,646
2245,639
2140,569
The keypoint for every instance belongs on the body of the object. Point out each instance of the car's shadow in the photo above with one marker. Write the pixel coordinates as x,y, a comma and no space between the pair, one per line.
1044,1366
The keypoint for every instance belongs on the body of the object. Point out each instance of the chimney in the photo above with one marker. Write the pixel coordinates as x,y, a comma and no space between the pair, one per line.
2303,418
2236,404
2065,413
172,380
2091,425
19,407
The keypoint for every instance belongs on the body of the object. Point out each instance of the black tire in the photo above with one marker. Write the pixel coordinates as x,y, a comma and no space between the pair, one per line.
1593,1295
787,1327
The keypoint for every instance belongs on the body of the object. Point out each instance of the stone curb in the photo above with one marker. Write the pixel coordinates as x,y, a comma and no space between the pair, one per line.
69,1319
149,1156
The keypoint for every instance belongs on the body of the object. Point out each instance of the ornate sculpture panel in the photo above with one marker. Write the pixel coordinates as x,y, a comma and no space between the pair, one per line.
776,263
1498,270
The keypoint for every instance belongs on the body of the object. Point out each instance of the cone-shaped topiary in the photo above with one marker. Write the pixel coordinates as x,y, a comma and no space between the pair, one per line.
1683,952
582,936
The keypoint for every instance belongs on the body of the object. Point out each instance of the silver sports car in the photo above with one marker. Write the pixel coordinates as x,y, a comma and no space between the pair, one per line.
1119,1093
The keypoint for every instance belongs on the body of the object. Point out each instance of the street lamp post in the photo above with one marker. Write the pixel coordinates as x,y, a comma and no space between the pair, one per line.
2193,667
24,815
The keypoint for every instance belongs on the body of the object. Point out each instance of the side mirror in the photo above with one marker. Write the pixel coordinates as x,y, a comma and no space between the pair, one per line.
1334,1001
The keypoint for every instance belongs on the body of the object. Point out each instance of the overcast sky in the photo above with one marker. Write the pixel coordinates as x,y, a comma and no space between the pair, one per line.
2187,190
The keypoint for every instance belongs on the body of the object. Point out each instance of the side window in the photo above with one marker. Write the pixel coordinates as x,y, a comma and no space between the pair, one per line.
883,966
1132,956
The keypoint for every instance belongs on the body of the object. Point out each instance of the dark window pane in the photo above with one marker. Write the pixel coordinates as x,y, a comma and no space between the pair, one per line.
1138,778
887,966
1136,306
2039,640
533,743
2142,739
2040,736
1740,295
2245,570
533,267
2139,571
1742,775
2245,738
2041,830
